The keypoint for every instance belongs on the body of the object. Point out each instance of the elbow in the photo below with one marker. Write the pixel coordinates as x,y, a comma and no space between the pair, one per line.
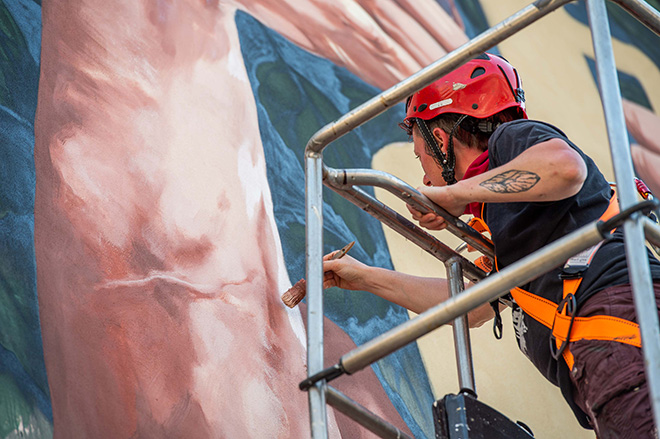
477,317
574,177
572,172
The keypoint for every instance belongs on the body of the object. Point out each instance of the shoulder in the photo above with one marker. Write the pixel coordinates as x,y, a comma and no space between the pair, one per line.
512,138
525,130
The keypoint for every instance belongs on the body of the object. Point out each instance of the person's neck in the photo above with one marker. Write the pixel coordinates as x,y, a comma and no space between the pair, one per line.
464,158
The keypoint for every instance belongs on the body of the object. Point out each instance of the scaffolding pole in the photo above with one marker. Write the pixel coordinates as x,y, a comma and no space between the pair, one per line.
362,416
494,286
638,263
314,267
643,12
461,330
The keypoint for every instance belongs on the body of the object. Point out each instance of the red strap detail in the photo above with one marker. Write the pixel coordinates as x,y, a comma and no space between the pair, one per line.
642,189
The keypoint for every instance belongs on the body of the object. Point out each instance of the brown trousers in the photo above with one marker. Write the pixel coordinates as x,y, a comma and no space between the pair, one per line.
608,377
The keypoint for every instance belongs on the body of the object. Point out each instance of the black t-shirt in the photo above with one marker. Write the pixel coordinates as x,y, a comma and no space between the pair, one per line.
519,229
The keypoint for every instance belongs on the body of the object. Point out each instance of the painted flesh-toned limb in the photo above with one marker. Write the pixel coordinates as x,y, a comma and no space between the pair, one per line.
380,41
149,168
159,271
146,177
645,128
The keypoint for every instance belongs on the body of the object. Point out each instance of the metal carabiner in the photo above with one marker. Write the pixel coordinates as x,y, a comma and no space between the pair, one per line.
570,304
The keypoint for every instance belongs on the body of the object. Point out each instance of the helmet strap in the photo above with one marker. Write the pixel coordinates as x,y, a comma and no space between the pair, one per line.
450,152
446,161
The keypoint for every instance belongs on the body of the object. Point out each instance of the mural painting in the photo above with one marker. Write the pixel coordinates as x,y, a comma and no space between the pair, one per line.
152,206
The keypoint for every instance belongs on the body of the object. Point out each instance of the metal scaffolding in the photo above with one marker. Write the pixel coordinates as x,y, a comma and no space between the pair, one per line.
637,228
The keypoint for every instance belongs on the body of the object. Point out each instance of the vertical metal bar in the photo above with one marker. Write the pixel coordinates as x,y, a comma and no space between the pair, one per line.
314,268
638,264
461,330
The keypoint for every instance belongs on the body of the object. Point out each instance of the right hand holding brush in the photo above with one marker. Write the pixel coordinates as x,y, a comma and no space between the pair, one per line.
294,295
347,273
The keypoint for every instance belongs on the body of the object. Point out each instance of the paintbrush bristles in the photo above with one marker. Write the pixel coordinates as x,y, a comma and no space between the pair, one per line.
295,294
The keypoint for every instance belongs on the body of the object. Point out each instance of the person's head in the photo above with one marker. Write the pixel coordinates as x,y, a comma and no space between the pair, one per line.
466,105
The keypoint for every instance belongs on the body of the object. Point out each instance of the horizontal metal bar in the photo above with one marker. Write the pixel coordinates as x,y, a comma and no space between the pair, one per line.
652,231
346,178
519,273
642,11
426,76
408,230
363,416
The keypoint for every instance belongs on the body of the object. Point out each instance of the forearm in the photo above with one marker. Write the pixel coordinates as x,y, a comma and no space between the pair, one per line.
412,292
417,294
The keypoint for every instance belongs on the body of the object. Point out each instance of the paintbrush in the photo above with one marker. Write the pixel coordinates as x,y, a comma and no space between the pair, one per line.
296,293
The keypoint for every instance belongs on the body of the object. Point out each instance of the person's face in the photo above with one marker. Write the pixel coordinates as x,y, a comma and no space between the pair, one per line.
432,172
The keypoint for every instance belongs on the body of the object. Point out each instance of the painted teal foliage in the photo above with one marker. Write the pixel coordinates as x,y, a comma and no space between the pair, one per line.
473,17
13,407
297,94
24,395
631,88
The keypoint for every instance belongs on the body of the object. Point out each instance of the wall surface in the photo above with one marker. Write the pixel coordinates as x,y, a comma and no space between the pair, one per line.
152,207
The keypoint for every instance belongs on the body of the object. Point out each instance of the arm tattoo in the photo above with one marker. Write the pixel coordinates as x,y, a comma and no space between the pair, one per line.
511,182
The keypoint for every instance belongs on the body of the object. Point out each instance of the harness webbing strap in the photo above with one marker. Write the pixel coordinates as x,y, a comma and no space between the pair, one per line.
593,328
540,309
573,328
599,328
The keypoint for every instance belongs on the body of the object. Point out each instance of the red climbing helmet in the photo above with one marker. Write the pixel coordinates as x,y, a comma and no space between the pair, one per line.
479,88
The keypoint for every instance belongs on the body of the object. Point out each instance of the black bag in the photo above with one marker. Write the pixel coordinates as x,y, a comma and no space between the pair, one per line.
462,416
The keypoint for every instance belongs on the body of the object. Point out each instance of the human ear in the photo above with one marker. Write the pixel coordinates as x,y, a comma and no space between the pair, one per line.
442,138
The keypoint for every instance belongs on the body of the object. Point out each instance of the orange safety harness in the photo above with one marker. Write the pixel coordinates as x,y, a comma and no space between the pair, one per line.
560,319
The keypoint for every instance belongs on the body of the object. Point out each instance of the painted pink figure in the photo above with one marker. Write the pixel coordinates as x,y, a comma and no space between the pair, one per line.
380,41
159,267
645,127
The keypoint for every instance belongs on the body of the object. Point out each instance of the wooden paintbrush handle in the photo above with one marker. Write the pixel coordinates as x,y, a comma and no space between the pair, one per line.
297,292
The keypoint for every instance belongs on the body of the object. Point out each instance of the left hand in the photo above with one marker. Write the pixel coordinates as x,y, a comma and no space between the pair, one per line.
442,196
445,197
429,221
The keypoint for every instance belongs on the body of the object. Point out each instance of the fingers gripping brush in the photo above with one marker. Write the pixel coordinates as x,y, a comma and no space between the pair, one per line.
296,293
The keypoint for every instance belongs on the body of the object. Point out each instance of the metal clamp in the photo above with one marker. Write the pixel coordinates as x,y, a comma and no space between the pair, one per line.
328,374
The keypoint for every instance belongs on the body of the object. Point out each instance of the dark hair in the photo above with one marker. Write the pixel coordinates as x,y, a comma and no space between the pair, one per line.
472,131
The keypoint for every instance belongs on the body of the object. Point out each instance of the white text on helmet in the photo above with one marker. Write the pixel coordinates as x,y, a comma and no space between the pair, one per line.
440,104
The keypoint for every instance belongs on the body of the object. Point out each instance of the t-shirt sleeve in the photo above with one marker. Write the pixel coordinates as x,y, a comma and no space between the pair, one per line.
511,139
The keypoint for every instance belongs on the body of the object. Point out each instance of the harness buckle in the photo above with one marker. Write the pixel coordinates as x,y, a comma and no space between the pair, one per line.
570,304
573,272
